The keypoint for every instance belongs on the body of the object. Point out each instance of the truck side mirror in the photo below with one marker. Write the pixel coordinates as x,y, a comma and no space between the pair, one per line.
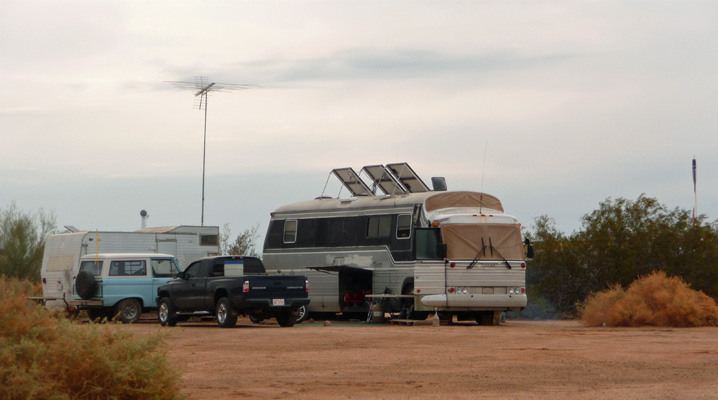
530,251
441,250
182,275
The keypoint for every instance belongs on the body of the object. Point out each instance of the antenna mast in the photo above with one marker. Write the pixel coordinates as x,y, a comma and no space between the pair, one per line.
203,87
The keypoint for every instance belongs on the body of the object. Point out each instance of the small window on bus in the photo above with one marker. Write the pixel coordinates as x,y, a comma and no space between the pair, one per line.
379,227
128,268
426,241
93,266
403,226
290,231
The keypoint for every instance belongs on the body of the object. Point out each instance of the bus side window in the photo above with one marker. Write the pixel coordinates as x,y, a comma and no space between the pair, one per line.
403,226
290,231
426,241
379,227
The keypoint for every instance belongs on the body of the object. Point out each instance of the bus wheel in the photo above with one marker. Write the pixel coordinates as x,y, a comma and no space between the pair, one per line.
407,308
487,318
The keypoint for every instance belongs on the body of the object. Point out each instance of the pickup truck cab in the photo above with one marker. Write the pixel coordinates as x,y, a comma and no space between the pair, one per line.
227,286
121,284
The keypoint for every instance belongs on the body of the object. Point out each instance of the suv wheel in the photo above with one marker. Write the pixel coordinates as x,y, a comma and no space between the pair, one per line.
129,311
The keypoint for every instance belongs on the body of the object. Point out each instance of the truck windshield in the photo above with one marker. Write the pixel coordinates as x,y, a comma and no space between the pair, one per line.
465,241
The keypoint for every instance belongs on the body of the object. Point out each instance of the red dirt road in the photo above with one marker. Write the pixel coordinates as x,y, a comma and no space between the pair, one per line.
519,359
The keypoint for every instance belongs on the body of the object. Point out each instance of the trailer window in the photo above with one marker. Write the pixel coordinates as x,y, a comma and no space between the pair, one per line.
128,268
164,268
379,227
93,266
208,240
403,226
290,231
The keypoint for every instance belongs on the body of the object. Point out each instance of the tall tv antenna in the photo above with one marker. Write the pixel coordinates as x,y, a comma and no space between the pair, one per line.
203,87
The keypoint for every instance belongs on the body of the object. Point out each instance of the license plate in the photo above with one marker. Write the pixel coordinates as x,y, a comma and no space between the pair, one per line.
277,302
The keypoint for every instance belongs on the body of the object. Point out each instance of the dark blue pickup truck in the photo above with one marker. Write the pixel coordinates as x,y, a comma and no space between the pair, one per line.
229,286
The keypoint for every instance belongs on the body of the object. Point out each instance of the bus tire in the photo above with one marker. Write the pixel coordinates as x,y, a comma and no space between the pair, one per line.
408,305
485,318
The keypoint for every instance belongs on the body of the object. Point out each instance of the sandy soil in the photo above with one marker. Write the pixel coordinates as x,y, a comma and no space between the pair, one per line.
519,359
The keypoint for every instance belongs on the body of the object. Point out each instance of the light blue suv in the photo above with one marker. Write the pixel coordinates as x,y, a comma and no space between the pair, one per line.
121,284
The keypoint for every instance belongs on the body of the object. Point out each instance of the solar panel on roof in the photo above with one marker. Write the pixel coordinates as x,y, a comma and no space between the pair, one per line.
382,178
407,177
352,182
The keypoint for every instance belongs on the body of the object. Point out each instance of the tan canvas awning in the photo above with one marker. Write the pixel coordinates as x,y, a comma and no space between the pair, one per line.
463,199
463,241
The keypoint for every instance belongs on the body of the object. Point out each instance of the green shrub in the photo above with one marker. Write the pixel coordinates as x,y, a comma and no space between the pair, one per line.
655,300
44,357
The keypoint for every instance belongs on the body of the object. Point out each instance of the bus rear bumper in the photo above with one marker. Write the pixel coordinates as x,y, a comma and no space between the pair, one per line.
474,301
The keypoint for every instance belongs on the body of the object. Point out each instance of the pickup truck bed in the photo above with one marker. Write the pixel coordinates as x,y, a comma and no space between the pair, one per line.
229,286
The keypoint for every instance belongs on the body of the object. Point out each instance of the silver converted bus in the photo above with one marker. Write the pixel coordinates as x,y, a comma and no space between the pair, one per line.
456,252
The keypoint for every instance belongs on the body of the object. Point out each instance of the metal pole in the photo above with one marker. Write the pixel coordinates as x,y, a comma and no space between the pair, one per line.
204,151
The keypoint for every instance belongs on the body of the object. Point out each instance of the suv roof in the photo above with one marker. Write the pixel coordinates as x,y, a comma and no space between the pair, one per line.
105,256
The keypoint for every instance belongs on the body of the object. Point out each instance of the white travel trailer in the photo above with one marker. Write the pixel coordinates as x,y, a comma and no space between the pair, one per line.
63,251
454,252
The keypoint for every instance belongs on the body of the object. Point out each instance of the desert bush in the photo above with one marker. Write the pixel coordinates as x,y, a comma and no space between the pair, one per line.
656,300
42,357
22,241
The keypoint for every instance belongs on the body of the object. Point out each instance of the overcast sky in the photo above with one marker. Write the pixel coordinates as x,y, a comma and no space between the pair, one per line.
552,106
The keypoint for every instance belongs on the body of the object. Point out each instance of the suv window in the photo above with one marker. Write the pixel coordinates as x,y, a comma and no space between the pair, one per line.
128,268
93,266
164,268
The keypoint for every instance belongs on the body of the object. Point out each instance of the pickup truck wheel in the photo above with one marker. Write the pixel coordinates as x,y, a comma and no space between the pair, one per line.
255,319
166,313
225,316
302,314
85,285
128,311
287,318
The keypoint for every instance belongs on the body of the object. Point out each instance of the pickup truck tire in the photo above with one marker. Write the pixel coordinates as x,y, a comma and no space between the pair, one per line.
85,284
166,313
287,318
255,319
226,318
302,314
128,311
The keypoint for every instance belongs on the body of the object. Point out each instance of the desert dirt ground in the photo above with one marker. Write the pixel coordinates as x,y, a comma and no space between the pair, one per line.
518,359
